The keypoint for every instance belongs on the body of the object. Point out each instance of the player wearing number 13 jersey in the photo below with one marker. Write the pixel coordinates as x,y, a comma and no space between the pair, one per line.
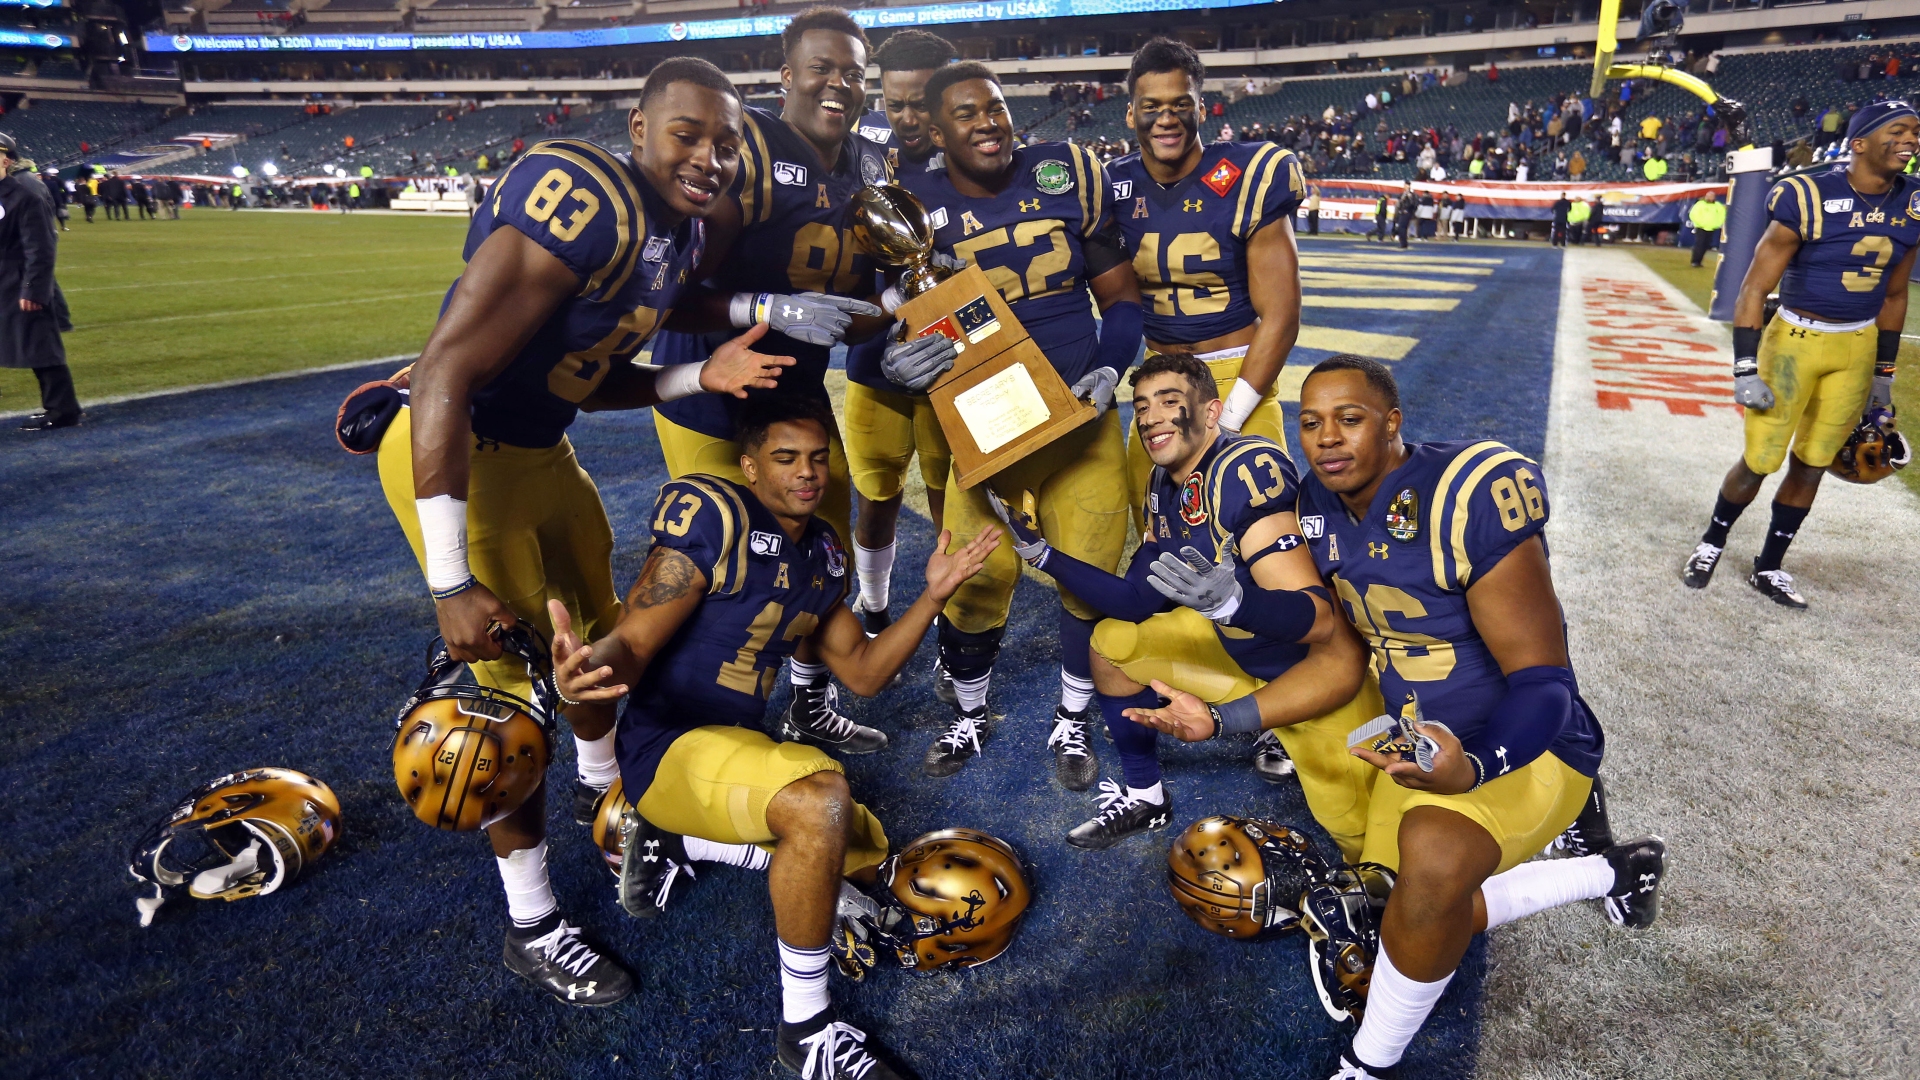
1840,244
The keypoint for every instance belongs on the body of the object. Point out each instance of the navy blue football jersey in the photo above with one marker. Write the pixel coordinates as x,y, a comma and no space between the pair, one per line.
1847,242
765,592
1242,479
796,236
1189,241
593,210
1453,510
1028,240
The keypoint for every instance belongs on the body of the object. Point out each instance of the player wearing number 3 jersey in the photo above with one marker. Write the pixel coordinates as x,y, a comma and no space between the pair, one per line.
1840,245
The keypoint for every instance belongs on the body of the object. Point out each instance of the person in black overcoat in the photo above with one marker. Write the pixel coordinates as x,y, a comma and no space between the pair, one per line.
29,329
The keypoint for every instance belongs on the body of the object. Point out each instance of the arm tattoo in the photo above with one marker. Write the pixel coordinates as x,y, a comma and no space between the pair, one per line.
666,577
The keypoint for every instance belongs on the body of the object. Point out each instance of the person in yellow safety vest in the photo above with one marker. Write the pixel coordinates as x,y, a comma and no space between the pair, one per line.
1476,167
1577,221
1655,168
353,197
239,198
1707,216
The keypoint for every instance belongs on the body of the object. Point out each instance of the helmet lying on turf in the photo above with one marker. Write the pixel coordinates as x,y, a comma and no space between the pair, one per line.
239,835
1242,878
466,756
1873,452
1341,914
952,898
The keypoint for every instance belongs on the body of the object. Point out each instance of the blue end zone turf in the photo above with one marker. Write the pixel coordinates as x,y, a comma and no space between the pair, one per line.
204,583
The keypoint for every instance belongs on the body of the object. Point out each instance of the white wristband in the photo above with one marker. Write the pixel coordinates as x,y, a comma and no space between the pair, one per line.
443,534
891,299
1241,401
743,309
1226,610
676,381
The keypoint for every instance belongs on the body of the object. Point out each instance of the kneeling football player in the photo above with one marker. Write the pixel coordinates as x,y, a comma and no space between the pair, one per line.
1217,530
1436,555
738,576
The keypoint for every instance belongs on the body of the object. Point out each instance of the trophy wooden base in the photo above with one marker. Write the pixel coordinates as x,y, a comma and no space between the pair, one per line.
1002,400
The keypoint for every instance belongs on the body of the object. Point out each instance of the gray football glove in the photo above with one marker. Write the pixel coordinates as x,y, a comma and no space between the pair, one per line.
919,363
1749,389
813,317
1882,394
1027,541
1191,581
851,943
1097,387
952,264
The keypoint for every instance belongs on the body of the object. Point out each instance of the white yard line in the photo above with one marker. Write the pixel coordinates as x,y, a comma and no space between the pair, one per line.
90,403
1773,749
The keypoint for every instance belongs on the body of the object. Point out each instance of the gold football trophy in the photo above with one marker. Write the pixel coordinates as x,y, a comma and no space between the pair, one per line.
1002,399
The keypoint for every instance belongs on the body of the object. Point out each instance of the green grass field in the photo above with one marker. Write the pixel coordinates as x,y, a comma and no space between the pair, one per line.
221,295
1674,265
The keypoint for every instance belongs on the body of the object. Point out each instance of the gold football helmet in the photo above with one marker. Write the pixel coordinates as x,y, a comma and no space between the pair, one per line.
239,835
952,898
466,756
1241,878
1875,450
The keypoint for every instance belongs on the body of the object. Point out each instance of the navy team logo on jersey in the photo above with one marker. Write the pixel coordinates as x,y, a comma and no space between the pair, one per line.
1403,516
871,170
1192,510
1913,204
763,543
836,559
1223,177
790,174
1052,177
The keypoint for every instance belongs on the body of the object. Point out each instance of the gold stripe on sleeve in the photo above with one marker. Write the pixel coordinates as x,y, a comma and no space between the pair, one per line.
1440,491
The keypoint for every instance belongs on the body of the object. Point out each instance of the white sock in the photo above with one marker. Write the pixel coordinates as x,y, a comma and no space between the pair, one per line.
1537,886
529,896
805,674
745,855
1396,1007
596,762
972,692
1157,794
874,568
803,983
1076,693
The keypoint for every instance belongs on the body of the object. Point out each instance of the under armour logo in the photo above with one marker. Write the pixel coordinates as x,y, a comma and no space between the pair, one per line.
1376,551
652,853
792,312
1028,206
1192,206
576,990
1647,882
1501,753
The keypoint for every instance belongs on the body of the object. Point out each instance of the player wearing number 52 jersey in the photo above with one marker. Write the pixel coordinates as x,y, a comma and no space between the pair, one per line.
1034,219
1840,245
576,256
1210,231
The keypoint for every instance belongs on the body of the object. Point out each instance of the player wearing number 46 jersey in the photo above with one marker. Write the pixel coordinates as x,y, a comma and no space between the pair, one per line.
1034,219
1840,244
575,258
740,575
1436,556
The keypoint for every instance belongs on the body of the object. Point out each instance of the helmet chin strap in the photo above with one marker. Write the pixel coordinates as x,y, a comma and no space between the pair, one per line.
208,884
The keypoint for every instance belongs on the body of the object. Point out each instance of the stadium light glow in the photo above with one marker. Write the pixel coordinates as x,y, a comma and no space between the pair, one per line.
270,169
239,172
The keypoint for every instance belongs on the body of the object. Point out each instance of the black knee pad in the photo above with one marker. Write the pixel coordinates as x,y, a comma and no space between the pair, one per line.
969,656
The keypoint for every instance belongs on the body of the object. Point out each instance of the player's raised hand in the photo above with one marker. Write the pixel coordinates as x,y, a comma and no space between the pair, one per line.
1452,773
946,570
918,362
1191,580
1184,716
734,368
572,675
467,619
813,317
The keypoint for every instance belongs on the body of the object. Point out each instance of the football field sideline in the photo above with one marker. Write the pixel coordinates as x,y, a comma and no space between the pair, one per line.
1771,748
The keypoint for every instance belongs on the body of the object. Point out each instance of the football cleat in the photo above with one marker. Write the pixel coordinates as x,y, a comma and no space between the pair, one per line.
943,684
1777,586
813,716
1341,915
586,801
653,861
1073,760
1121,815
1591,833
823,1048
1270,760
1346,1065
873,621
1638,866
564,965
960,742
1699,568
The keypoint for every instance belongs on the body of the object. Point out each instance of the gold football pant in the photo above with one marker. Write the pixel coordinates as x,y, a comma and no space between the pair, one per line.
1182,649
536,531
1523,811
715,783
1079,486
689,451
1820,381
884,431
1267,420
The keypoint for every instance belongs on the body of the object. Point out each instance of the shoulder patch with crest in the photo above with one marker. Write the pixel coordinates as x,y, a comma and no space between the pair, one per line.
1913,204
1053,177
872,169
836,559
1193,510
1403,515
1223,177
